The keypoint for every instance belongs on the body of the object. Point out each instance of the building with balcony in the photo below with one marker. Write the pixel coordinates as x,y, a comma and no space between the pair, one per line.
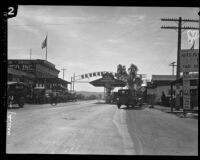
36,73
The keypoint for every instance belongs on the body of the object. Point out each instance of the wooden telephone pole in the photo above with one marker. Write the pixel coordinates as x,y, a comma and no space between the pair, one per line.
173,65
179,28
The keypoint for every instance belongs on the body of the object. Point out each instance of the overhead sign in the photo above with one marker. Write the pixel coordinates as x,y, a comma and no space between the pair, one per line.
23,67
189,60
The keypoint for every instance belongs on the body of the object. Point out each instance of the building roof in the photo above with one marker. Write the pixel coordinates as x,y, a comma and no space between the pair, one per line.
54,80
13,83
20,73
112,81
163,78
33,61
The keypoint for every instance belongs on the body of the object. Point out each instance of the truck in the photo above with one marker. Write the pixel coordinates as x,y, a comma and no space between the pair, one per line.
128,98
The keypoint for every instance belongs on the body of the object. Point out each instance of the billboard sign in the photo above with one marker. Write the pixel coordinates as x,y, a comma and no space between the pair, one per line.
189,60
23,67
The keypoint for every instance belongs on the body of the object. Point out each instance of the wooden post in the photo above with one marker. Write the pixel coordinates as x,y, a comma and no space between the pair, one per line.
171,96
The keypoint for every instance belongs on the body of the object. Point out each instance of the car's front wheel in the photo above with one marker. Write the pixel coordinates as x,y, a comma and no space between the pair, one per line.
21,102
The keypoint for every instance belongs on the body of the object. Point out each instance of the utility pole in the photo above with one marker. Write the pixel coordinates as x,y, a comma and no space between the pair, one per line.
179,20
63,69
73,81
71,84
173,65
30,53
199,28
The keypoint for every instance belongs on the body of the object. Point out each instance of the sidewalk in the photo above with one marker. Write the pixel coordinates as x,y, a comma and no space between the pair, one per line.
178,113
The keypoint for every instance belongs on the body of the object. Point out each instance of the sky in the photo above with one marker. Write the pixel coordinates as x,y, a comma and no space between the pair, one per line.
85,39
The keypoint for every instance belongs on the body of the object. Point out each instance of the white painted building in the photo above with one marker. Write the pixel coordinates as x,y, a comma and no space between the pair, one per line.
159,84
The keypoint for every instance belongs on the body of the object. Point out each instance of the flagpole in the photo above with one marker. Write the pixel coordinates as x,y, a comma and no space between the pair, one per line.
45,81
46,47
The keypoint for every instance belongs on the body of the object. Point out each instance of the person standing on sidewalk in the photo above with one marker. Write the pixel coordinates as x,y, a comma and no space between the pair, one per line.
177,103
163,98
53,96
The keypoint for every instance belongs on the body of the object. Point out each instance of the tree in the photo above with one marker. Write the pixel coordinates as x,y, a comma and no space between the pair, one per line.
133,81
121,72
138,81
132,74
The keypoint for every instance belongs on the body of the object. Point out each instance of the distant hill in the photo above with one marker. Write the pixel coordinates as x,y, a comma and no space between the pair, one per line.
87,94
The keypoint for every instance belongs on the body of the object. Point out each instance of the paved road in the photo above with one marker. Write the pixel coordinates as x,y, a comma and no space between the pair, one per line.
96,128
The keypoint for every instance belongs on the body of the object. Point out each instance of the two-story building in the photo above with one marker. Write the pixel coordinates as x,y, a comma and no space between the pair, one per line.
36,73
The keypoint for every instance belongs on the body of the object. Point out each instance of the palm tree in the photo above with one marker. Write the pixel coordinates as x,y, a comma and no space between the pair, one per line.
138,81
132,72
130,77
121,72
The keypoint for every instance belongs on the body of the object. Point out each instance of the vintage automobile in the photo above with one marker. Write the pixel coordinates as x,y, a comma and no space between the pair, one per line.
126,97
17,93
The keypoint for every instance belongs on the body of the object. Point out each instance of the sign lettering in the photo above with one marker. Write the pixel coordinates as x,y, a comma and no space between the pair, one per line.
186,91
22,67
189,60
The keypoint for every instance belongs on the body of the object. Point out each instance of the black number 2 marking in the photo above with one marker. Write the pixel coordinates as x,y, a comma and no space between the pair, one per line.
11,11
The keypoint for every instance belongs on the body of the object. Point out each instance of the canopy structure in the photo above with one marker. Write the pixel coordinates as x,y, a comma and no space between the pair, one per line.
108,81
104,82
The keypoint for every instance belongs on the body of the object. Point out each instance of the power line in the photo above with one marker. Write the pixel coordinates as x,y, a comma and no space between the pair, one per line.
179,28
177,20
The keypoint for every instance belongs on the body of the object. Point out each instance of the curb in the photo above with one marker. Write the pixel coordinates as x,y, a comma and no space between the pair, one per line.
177,113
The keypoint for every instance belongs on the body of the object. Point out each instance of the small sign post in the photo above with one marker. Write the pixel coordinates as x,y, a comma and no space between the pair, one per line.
186,94
189,62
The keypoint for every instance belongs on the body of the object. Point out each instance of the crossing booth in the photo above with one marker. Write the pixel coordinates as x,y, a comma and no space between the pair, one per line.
108,82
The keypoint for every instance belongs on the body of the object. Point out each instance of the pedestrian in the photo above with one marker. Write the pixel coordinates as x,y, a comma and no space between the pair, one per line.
53,96
177,102
163,98
10,101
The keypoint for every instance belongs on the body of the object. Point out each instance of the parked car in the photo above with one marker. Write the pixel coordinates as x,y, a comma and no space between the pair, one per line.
17,93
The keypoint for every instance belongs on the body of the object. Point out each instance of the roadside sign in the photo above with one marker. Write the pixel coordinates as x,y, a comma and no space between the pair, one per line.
186,92
186,102
189,60
191,76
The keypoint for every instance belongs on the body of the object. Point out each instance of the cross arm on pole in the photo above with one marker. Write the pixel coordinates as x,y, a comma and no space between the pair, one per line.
174,27
183,20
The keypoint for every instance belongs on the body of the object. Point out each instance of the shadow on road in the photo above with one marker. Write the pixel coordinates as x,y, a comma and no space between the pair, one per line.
10,108
133,108
100,103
